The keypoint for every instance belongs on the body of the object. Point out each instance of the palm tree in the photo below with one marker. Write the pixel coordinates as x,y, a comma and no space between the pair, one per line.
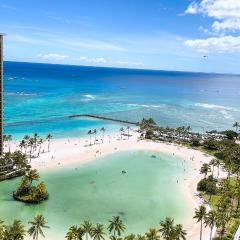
87,228
49,137
210,220
22,144
130,237
103,132
80,233
121,131
200,214
166,228
218,163
179,232
152,234
115,238
26,139
2,229
213,164
128,128
95,135
183,129
16,231
151,122
90,134
236,125
98,232
8,139
19,159
205,169
40,142
72,233
35,137
32,175
36,229
31,145
140,237
116,226
222,220
237,194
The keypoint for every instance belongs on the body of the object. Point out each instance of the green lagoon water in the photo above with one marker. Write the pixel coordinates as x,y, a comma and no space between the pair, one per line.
98,190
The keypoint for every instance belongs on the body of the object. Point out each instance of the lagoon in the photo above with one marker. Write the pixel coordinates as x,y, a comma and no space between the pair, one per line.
98,190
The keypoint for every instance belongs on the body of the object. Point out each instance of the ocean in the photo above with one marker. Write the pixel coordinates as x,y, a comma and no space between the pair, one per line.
40,97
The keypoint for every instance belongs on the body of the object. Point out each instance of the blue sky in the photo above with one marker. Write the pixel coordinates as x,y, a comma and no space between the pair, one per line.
152,34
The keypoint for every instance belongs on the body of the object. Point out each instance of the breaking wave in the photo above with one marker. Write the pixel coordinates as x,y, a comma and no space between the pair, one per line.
89,97
146,105
213,106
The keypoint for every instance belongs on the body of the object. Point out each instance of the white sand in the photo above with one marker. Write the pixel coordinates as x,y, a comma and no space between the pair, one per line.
71,151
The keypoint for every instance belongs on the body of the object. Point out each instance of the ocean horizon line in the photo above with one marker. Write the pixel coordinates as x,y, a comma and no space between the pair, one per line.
125,68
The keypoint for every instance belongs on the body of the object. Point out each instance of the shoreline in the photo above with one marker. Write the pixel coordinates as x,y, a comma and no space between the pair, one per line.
70,151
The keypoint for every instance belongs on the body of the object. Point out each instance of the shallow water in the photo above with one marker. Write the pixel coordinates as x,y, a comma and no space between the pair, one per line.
98,190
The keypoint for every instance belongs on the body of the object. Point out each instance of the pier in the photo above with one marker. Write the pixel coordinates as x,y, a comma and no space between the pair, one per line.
55,119
103,118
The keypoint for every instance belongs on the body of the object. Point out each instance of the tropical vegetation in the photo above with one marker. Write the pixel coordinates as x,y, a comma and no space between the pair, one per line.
115,230
30,190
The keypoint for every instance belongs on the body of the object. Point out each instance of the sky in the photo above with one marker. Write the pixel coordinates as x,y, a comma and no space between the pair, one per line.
182,35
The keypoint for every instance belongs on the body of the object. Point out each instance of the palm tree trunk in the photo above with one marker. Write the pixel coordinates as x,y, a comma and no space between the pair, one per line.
30,154
48,145
210,197
201,231
238,203
39,150
211,232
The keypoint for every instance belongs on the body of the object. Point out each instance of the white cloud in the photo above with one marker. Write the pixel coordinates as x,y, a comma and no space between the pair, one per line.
53,56
130,64
8,7
216,44
92,59
72,43
91,44
219,9
227,19
229,24
227,12
97,61
27,40
192,8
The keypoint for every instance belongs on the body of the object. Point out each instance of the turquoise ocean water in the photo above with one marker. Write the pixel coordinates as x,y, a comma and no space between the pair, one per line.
39,97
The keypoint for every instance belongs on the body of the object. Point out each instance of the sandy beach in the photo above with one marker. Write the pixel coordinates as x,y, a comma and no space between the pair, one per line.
78,151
